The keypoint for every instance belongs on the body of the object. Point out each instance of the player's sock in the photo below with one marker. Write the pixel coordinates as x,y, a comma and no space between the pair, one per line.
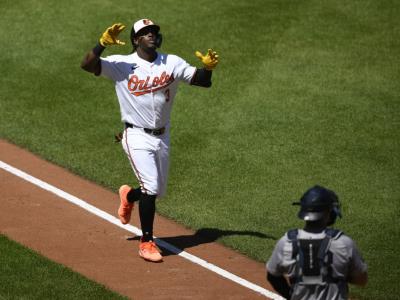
134,195
147,210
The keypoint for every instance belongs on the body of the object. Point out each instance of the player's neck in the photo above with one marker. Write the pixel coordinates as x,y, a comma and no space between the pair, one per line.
315,226
149,55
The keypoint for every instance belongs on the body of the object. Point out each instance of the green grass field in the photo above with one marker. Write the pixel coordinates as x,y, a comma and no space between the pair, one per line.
26,275
306,92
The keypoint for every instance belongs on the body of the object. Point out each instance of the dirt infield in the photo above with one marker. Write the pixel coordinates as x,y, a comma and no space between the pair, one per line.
105,253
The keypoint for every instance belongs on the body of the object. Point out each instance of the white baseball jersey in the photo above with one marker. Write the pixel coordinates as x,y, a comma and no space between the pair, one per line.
146,90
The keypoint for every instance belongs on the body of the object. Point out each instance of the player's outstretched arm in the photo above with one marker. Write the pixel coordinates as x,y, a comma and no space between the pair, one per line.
91,61
203,76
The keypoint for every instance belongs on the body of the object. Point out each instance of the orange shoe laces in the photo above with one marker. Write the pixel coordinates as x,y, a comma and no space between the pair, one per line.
149,246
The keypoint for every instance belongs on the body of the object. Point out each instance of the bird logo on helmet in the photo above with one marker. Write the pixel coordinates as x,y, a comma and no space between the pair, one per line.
316,201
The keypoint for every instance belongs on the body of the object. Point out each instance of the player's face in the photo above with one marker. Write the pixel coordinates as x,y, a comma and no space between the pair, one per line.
147,38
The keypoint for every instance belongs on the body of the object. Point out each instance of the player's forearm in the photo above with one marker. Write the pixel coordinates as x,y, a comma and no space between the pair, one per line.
91,62
202,77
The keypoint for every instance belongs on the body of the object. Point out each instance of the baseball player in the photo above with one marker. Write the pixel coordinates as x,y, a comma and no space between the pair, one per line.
146,82
318,261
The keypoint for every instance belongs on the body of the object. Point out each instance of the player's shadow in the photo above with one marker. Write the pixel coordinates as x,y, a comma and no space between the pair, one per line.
201,236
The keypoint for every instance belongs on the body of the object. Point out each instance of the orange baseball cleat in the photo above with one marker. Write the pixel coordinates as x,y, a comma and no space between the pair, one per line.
125,208
149,251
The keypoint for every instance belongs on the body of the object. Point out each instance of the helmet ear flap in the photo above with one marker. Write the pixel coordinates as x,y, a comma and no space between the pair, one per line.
133,39
332,217
334,213
159,39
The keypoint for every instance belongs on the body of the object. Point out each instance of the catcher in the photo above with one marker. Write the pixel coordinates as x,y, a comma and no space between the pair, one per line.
318,261
146,83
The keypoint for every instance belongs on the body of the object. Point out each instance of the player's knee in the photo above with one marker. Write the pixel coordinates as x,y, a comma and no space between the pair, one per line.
147,197
150,190
154,188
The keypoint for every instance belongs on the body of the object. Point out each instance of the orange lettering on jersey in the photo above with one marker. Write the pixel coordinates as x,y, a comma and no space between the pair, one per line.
162,78
133,83
146,82
139,87
156,81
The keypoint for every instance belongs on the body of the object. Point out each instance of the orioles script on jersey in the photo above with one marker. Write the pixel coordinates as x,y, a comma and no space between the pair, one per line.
137,86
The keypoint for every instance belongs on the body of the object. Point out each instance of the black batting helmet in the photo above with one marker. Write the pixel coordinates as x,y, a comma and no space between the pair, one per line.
316,202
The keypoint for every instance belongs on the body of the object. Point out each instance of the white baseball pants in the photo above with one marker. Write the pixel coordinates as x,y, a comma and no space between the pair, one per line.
149,158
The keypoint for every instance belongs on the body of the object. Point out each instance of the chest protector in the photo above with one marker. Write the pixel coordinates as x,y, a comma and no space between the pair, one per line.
313,258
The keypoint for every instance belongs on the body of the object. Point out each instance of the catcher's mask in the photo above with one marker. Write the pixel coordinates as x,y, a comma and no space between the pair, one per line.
145,23
316,202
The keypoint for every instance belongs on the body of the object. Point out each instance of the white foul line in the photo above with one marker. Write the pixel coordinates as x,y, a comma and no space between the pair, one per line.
102,214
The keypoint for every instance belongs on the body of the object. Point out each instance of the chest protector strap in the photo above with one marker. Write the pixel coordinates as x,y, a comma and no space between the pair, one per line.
313,258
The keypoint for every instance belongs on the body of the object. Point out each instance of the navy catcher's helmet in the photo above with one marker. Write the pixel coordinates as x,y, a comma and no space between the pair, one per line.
316,201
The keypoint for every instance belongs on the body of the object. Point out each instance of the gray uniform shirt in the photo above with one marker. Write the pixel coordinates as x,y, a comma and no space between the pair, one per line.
346,262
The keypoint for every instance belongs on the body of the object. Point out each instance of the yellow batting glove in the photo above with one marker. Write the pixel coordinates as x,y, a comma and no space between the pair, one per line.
109,37
210,60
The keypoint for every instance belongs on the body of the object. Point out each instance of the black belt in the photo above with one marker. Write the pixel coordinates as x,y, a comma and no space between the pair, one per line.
155,132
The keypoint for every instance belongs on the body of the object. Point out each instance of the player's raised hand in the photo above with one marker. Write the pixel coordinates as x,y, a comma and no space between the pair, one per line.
109,37
210,60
